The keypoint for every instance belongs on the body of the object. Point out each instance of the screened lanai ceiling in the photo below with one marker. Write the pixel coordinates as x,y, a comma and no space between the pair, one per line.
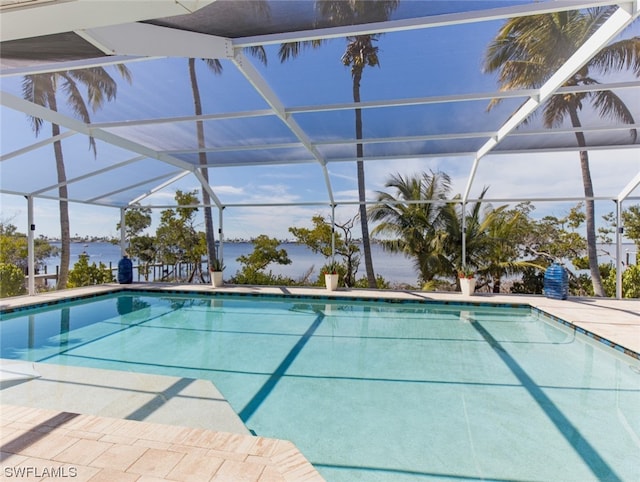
292,122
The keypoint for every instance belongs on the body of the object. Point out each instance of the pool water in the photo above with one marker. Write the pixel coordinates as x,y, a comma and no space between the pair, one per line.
373,391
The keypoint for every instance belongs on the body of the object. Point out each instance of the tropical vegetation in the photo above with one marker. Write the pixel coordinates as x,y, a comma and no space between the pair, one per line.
361,51
215,66
325,240
85,274
528,50
265,251
506,248
42,89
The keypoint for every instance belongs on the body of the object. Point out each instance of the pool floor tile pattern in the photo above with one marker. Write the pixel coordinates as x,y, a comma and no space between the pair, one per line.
39,444
134,446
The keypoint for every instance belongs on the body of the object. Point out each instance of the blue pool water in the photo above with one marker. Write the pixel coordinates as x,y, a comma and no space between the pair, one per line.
373,391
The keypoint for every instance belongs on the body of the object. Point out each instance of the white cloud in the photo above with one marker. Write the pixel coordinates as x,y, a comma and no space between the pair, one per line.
273,221
509,176
230,190
338,175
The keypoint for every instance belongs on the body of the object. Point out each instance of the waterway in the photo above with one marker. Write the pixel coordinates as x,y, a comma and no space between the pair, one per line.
395,268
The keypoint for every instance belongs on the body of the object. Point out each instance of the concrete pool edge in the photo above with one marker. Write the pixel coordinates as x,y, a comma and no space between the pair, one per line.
113,414
38,443
614,323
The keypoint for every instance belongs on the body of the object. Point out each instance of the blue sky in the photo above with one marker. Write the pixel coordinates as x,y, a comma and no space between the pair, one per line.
160,88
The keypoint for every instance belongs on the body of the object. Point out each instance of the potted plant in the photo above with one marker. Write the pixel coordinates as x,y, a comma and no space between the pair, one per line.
467,279
215,268
331,276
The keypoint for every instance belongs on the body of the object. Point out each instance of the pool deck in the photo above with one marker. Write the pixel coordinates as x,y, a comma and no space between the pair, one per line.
107,425
41,444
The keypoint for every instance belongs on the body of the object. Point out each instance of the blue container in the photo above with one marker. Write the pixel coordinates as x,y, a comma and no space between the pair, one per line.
125,271
556,282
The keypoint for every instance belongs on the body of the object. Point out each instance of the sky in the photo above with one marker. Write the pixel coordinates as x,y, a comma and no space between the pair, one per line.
161,88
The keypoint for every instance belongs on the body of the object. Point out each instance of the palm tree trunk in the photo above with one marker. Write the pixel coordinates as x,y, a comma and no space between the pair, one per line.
63,194
592,251
366,243
202,157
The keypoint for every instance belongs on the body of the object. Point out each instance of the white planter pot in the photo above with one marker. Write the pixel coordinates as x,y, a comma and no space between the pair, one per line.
216,279
467,286
331,281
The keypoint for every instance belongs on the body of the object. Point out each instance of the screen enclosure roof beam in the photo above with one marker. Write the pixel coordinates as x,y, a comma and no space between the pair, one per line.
29,108
620,19
45,18
262,87
472,16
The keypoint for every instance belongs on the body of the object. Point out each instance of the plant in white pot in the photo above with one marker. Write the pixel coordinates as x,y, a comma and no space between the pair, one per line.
215,268
331,276
467,279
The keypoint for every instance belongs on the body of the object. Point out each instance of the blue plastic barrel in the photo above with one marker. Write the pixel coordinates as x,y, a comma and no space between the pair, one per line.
125,271
556,282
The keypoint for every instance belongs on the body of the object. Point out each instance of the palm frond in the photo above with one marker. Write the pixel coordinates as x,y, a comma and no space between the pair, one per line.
37,89
213,65
618,56
100,86
125,73
291,50
77,103
609,105
259,53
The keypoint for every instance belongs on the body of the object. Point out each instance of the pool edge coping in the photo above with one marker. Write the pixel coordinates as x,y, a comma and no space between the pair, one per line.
76,294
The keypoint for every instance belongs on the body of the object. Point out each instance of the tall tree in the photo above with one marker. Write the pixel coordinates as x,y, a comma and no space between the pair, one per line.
507,231
528,50
177,239
361,51
14,249
413,217
323,240
631,220
42,89
214,66
479,217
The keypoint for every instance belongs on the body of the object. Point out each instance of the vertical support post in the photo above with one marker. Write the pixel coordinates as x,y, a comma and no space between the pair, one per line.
221,234
463,258
619,231
123,235
31,248
333,232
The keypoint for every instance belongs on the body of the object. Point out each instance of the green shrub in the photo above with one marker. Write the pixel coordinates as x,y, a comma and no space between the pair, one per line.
11,280
381,283
249,276
85,274
532,282
630,282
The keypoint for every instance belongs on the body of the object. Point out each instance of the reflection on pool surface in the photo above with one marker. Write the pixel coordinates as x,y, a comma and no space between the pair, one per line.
373,390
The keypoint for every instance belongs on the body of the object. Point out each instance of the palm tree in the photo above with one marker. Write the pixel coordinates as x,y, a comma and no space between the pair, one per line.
478,220
494,238
360,52
506,230
42,89
413,217
528,50
214,66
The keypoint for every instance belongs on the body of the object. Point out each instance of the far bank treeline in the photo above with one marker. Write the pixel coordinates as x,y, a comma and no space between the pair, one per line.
507,249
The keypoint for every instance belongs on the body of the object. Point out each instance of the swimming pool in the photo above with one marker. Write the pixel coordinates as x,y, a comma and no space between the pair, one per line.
373,390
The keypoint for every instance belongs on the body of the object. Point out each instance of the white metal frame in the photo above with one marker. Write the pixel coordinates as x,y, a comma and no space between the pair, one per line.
115,31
